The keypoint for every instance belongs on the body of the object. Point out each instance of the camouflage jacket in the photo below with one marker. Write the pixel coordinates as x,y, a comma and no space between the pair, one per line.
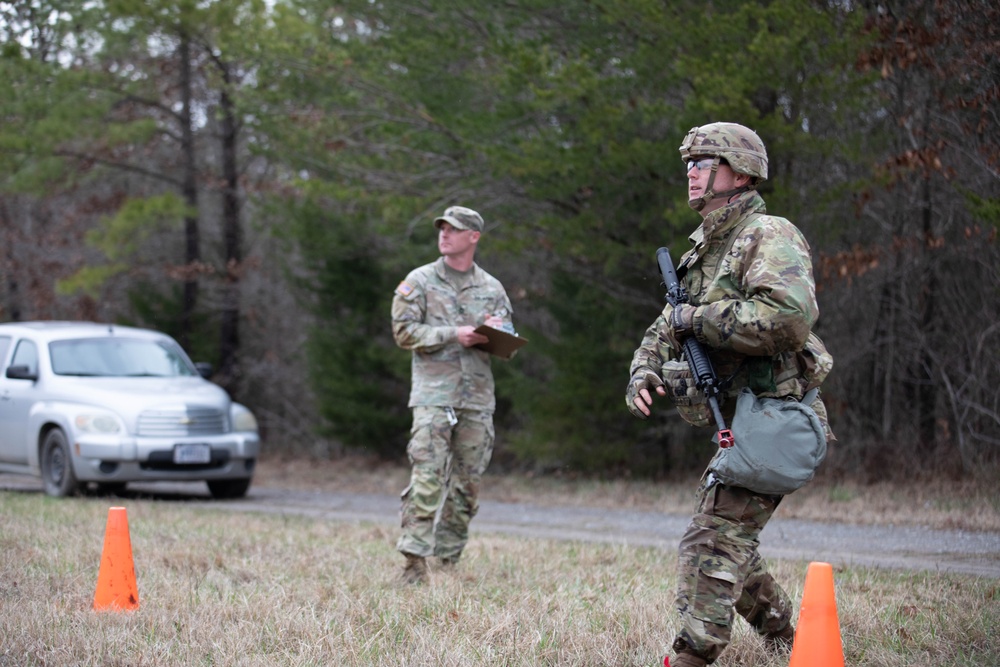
427,310
750,277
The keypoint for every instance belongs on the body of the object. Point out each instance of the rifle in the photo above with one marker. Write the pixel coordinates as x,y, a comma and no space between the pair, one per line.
701,365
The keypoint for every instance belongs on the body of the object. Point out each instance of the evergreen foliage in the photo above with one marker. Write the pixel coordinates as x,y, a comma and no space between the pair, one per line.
193,165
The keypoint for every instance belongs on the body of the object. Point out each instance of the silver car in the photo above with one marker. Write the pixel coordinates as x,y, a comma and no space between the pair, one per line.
84,403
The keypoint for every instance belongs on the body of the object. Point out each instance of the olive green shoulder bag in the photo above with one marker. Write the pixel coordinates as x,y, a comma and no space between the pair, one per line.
779,443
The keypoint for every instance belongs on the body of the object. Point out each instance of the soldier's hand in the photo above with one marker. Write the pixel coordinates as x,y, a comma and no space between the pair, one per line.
638,396
677,324
468,337
682,321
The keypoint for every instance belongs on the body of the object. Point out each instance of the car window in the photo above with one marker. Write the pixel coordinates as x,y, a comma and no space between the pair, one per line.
4,346
26,354
118,357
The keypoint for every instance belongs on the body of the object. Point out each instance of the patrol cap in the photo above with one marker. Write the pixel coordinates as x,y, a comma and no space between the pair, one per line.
460,217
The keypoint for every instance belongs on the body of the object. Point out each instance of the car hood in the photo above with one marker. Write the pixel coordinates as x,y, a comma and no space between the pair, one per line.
130,396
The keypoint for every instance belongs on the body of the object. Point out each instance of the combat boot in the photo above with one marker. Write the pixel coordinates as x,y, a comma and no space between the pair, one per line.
780,641
685,660
449,562
415,570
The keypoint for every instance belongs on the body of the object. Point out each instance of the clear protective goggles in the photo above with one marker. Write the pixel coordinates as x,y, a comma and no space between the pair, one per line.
699,163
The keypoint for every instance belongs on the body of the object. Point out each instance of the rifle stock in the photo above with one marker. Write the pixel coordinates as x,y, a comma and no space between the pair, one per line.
697,358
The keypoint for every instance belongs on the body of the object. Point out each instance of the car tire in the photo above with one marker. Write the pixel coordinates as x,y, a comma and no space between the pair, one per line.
228,488
57,465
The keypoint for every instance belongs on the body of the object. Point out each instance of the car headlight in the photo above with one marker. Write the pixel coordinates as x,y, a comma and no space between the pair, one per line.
98,423
243,419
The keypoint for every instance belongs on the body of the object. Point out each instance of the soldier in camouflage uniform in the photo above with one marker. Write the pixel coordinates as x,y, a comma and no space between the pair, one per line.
752,305
435,311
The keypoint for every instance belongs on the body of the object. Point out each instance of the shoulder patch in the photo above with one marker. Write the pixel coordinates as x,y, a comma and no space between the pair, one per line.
404,289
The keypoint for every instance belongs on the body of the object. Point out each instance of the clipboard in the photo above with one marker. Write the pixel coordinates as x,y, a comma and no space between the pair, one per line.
501,343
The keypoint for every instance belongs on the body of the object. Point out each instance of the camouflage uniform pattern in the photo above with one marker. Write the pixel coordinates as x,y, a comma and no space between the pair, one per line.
740,146
448,463
452,396
749,276
721,570
427,310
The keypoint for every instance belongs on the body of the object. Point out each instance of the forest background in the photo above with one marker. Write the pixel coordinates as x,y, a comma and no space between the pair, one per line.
255,177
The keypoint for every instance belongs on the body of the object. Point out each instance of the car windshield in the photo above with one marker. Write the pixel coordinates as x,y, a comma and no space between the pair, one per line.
118,357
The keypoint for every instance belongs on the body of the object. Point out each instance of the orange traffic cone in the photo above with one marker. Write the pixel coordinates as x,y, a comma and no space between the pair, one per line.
116,589
817,638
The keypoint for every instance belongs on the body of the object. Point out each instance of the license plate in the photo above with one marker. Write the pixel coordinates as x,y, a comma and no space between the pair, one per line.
192,453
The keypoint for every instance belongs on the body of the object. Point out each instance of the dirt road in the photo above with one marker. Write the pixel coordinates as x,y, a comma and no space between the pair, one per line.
881,546
887,546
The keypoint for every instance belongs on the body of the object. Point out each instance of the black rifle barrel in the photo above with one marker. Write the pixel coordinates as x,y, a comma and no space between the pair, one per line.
701,366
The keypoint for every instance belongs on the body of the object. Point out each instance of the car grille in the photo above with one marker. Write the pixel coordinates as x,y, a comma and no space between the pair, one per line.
180,422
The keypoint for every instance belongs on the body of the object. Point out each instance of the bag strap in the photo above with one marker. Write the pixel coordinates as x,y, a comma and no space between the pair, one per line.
734,233
738,229
810,396
682,270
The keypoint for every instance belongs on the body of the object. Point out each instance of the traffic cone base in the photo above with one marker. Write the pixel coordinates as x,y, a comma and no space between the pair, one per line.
817,639
116,587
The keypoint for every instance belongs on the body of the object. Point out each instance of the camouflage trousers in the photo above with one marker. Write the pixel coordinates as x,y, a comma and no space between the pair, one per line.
449,451
720,570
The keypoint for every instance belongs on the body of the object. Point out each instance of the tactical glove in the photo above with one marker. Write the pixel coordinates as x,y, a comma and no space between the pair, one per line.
676,324
644,378
682,321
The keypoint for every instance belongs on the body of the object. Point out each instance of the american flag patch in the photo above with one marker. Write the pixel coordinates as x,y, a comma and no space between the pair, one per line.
404,289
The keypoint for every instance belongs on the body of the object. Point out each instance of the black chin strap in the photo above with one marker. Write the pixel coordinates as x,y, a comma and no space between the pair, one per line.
729,194
699,203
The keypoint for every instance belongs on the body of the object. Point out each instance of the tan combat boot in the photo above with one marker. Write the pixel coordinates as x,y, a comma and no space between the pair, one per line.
781,640
449,562
415,570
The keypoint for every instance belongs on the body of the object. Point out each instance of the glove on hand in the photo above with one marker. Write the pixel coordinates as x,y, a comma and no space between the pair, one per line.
646,379
678,324
682,321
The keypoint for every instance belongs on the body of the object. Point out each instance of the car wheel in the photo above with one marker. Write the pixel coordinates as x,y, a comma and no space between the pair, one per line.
228,488
57,465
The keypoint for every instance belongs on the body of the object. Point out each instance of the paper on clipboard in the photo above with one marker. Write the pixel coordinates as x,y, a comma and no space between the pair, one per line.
501,343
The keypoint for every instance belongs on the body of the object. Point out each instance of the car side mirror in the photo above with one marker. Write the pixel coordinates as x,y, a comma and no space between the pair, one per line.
21,373
204,369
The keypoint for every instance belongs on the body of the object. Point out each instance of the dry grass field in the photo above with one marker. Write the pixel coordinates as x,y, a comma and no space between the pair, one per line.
228,588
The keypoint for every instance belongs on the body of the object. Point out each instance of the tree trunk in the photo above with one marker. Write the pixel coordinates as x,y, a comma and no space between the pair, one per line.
229,372
192,251
927,374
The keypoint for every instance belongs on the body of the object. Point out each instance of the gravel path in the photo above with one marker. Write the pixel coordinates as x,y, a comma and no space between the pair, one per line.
899,547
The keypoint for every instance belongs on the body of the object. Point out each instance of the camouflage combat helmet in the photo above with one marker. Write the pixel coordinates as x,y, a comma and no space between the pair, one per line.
739,146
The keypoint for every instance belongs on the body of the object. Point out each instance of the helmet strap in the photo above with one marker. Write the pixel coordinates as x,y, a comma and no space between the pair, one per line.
702,201
729,194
